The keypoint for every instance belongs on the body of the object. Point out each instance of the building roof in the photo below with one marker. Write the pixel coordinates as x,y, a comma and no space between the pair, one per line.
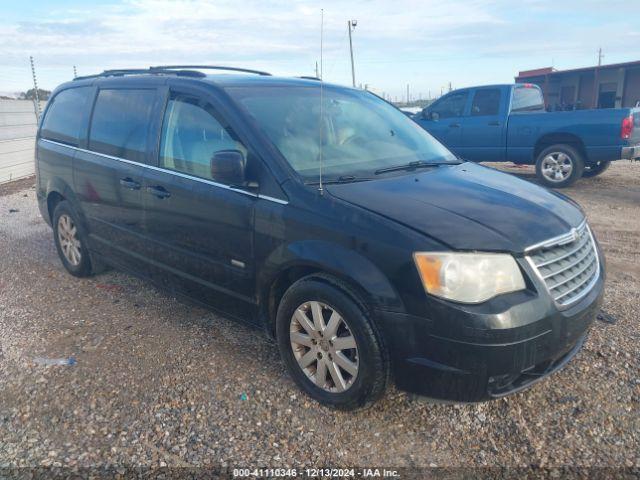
552,71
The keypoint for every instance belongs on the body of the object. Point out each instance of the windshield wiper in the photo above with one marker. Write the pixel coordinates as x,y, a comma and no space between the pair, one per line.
340,179
411,166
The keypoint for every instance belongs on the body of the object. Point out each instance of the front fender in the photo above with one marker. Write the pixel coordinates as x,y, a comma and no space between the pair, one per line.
333,259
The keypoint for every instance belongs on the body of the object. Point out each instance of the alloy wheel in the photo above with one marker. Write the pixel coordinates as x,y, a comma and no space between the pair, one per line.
557,167
69,241
324,346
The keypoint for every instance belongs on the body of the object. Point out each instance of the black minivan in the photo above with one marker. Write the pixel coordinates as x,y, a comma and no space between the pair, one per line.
329,218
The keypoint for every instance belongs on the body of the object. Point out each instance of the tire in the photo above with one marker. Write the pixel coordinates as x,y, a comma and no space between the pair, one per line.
328,295
70,240
591,171
559,166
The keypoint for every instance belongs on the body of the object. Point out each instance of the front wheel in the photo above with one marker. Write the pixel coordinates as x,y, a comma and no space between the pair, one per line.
329,346
559,166
596,169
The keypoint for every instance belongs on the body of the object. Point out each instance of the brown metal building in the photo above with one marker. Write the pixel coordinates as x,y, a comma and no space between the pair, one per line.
606,86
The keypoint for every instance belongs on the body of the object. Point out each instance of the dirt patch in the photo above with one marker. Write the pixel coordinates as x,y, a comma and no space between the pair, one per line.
17,185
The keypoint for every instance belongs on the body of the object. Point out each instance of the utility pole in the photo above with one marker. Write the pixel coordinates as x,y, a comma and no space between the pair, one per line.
317,72
35,86
407,94
450,86
351,25
600,56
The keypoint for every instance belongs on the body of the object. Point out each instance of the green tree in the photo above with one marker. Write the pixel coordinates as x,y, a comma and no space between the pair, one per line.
31,94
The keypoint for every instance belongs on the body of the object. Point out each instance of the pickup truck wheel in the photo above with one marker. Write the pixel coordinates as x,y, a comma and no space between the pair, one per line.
559,166
596,169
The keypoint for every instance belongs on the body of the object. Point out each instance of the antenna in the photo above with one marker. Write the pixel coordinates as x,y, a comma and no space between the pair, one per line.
320,189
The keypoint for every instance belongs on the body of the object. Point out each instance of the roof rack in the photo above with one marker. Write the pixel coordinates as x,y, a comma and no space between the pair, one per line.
210,67
138,71
310,77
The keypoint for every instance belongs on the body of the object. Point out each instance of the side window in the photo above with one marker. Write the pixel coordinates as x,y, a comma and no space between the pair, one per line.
451,106
120,123
63,121
527,98
486,102
192,133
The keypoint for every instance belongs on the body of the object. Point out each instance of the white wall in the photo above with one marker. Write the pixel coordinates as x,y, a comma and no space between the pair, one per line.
18,126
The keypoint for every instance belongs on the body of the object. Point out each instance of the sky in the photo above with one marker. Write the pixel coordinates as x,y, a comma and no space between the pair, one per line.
423,43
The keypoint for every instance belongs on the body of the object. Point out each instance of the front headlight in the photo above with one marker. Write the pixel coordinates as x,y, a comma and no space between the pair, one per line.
468,277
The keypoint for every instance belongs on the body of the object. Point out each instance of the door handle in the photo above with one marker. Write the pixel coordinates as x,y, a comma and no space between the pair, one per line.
494,124
454,125
159,191
129,183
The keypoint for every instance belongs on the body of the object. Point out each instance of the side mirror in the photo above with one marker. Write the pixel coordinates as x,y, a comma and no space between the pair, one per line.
228,166
435,116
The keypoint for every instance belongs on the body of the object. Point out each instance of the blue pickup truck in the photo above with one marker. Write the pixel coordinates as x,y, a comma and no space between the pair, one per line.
509,123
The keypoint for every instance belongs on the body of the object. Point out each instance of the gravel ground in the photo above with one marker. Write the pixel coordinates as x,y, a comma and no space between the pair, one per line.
161,383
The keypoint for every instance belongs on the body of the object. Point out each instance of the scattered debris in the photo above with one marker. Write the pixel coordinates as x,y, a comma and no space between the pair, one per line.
244,397
55,361
13,210
606,317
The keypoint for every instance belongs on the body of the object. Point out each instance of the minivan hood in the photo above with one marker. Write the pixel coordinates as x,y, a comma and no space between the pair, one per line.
467,206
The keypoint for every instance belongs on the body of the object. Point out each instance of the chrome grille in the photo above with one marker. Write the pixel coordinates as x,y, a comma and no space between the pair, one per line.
568,265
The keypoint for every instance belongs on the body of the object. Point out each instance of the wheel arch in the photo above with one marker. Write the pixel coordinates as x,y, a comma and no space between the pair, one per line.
57,191
353,273
559,138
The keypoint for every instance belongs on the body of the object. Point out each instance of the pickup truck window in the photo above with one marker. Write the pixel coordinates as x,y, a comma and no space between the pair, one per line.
527,99
451,106
486,102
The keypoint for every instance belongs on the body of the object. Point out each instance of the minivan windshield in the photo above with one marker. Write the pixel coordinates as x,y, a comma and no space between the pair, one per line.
356,133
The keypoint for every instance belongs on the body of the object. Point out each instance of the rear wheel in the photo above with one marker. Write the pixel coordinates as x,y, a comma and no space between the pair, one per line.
559,166
329,346
595,169
70,240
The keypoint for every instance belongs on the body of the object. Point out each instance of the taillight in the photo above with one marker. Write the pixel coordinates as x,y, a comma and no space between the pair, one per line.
627,127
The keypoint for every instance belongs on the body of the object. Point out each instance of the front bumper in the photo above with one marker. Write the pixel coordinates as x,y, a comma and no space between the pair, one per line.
475,353
631,153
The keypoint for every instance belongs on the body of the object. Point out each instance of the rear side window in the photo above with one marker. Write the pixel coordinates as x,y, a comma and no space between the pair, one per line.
63,121
527,99
486,102
120,123
451,106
